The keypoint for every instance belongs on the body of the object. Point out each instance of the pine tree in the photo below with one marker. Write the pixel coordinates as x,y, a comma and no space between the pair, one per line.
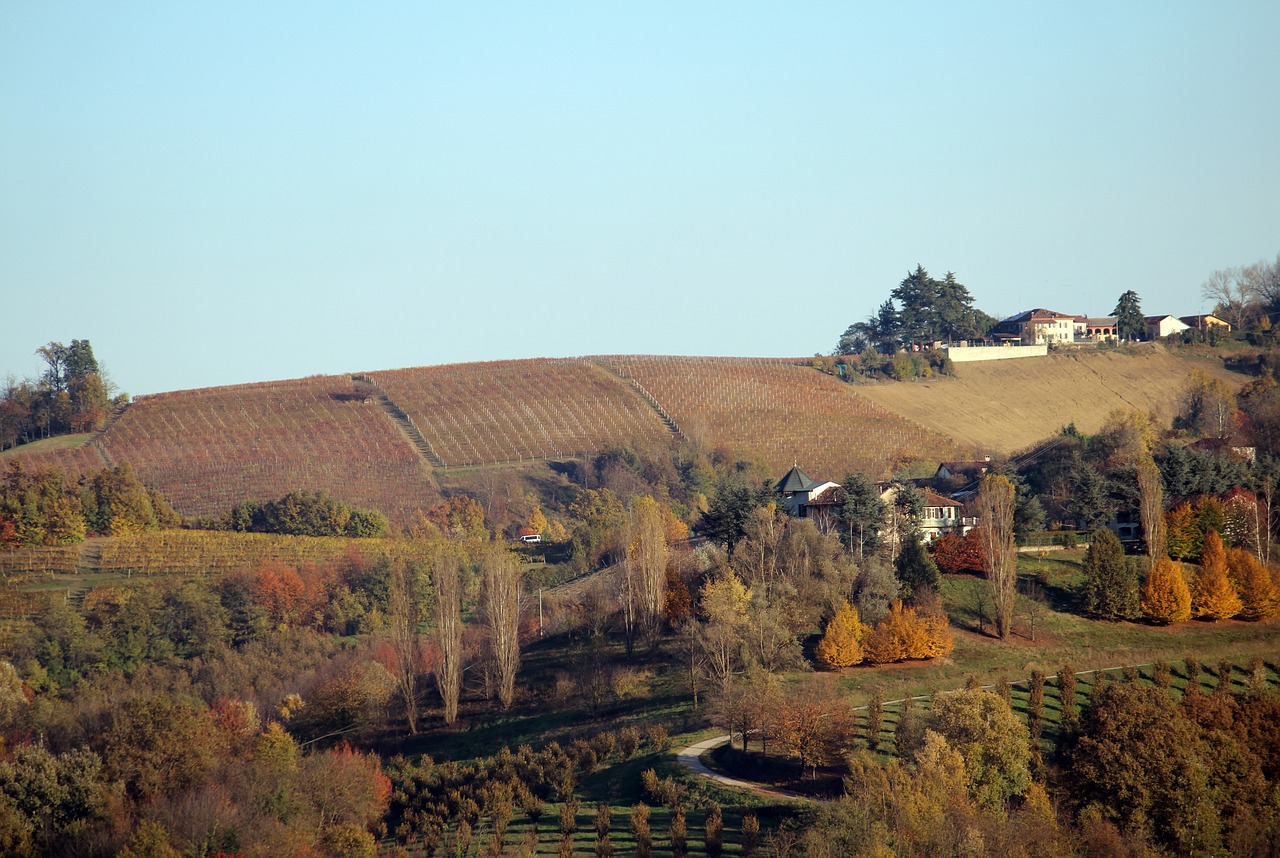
1165,596
1111,584
841,644
1130,323
1212,596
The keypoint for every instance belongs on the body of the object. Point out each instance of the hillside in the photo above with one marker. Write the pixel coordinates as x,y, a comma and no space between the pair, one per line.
387,439
1002,406
781,412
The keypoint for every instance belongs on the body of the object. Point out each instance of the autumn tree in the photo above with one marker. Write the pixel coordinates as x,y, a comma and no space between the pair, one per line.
841,644
955,553
446,576
1184,539
995,513
1258,593
408,649
1165,595
1212,595
905,634
1209,405
990,738
723,602
502,597
1111,583
1151,507
647,557
816,724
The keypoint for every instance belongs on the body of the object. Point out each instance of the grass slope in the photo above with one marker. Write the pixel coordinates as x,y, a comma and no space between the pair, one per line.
1002,406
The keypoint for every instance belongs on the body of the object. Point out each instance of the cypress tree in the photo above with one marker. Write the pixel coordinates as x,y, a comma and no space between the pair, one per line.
1213,597
1111,584
1165,596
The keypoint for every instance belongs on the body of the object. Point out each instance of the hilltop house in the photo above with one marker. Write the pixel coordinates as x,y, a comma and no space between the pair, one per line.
799,492
1204,322
1164,326
1036,327
1097,329
941,515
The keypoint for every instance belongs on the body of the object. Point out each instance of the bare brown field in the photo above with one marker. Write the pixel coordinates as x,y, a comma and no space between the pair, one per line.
1008,405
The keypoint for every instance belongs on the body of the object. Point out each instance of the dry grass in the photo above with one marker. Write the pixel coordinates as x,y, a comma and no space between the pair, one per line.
1002,406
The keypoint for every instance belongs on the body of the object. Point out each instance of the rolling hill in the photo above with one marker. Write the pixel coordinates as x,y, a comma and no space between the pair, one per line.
385,439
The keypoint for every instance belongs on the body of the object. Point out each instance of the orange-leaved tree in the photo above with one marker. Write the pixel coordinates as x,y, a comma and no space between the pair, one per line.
904,634
1212,595
1165,595
841,644
1258,592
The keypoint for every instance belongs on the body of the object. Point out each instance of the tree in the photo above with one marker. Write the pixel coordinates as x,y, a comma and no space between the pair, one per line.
502,597
914,567
955,553
841,644
649,553
989,737
407,647
918,295
862,513
816,724
1151,507
446,577
1258,593
1165,595
995,513
906,633
1209,405
1111,583
1130,323
1184,540
1212,595
724,602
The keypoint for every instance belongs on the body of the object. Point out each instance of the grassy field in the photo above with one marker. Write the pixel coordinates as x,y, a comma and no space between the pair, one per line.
1024,401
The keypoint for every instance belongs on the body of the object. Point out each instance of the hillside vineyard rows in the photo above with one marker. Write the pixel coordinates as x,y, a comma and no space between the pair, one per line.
208,449
781,411
491,413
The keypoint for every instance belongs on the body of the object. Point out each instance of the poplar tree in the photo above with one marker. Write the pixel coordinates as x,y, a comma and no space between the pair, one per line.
446,576
1212,595
501,598
995,511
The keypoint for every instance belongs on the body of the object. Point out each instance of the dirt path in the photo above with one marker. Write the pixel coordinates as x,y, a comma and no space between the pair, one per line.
691,759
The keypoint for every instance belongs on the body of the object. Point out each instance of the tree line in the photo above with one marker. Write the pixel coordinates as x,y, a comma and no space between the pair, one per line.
73,394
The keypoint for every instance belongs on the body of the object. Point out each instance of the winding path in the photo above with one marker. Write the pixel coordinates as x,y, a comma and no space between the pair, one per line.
691,759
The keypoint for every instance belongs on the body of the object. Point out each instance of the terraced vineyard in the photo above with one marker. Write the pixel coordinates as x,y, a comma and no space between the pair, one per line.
513,411
782,412
205,450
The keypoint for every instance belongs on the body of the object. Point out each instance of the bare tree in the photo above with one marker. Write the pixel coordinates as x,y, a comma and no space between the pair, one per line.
647,555
1151,508
1234,297
447,577
403,617
995,510
503,597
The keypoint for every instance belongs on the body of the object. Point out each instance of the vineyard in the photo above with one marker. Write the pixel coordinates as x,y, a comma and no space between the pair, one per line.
782,412
206,450
513,411
73,459
192,552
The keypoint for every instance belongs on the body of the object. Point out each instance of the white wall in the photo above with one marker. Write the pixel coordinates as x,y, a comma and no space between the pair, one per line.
965,354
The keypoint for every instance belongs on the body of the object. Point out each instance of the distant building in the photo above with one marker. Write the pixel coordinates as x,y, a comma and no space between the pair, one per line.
1036,327
1100,329
1164,326
1204,322
797,490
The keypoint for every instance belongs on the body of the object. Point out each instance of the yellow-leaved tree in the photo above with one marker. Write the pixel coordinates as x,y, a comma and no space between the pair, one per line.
1165,595
1253,582
1212,595
841,644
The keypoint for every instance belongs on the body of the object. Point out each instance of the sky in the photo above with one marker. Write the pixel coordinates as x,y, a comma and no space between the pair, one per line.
228,192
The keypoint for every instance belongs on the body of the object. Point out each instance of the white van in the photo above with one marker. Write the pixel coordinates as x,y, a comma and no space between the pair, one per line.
531,538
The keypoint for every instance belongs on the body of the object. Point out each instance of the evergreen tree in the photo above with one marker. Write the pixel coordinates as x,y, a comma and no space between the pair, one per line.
862,513
1257,591
1212,596
1165,595
918,296
1111,583
841,644
915,568
1130,323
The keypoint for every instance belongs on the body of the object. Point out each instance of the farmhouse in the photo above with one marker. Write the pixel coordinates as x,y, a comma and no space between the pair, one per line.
1204,322
1164,326
798,492
1036,327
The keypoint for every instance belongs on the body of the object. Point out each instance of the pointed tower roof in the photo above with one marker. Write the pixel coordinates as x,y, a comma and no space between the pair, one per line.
795,480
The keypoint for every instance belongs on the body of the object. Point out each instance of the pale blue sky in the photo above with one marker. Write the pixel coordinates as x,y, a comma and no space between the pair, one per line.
249,191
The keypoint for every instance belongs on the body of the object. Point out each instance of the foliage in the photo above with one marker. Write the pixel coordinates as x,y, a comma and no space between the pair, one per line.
991,740
1130,323
1166,598
955,553
909,633
1111,582
1213,596
915,568
841,642
1259,596
305,514
72,395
